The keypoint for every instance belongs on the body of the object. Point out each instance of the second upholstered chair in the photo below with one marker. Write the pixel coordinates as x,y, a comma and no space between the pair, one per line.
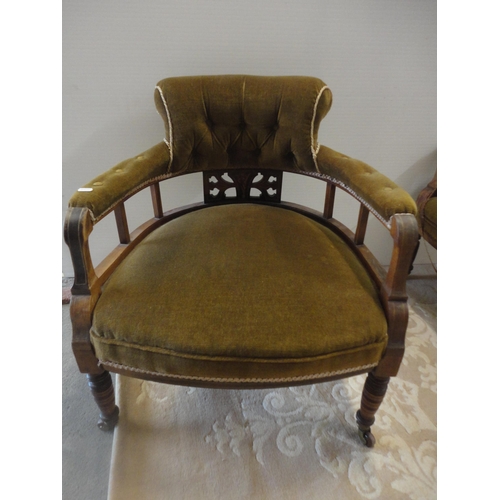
427,212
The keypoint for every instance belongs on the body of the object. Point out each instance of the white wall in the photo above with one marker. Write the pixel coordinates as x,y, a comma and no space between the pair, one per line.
377,56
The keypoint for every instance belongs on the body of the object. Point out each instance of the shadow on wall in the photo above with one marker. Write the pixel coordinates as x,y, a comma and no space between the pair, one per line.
418,175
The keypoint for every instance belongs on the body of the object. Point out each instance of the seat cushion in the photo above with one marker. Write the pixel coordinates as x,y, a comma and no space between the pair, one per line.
240,292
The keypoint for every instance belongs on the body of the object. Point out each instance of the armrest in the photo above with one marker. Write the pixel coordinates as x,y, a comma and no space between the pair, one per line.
379,194
104,192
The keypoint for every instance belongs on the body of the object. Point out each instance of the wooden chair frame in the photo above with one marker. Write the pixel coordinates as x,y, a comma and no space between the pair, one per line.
390,283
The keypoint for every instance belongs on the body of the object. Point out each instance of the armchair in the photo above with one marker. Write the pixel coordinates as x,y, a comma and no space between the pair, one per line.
242,290
427,212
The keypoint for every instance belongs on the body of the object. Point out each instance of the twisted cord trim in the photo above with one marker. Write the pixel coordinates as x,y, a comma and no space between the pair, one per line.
384,221
235,379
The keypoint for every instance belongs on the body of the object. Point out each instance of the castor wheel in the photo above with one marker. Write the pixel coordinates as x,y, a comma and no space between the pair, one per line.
367,438
107,423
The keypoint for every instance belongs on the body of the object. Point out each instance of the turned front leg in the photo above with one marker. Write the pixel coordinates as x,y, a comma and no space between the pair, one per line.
104,394
372,397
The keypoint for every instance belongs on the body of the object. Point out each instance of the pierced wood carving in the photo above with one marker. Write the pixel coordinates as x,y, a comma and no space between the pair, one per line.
242,185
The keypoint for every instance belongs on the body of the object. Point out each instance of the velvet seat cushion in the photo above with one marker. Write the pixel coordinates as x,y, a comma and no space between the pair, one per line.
240,293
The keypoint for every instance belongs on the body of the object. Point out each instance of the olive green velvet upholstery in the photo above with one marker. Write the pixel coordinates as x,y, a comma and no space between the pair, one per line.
243,121
427,212
240,292
429,220
379,193
103,193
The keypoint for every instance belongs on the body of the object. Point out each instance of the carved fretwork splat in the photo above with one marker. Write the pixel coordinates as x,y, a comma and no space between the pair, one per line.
242,185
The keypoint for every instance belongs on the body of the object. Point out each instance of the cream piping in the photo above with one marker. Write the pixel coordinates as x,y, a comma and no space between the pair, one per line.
170,143
314,150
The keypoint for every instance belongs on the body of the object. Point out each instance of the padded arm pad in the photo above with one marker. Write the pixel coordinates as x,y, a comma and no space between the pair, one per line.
383,197
104,192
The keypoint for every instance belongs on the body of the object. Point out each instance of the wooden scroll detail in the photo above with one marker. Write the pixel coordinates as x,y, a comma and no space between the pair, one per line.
77,228
242,185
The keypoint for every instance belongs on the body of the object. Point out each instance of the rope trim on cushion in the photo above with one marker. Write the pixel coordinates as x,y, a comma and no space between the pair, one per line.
170,130
234,379
314,150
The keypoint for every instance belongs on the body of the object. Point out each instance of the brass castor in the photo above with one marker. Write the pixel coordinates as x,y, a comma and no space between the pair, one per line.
107,423
367,438
364,430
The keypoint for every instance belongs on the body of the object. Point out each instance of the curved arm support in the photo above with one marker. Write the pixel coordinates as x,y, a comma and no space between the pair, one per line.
77,229
374,190
105,192
404,230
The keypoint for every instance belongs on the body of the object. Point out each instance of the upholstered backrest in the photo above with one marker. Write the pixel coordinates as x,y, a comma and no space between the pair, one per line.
241,121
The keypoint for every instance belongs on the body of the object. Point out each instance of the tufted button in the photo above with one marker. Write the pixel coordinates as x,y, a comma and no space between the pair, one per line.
210,123
276,126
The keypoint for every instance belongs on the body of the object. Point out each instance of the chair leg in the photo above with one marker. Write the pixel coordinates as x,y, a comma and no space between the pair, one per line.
102,389
373,394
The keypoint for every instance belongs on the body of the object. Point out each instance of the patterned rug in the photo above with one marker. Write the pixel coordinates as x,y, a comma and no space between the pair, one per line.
294,443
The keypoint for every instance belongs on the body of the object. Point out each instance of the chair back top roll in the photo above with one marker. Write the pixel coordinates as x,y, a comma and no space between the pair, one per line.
242,121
